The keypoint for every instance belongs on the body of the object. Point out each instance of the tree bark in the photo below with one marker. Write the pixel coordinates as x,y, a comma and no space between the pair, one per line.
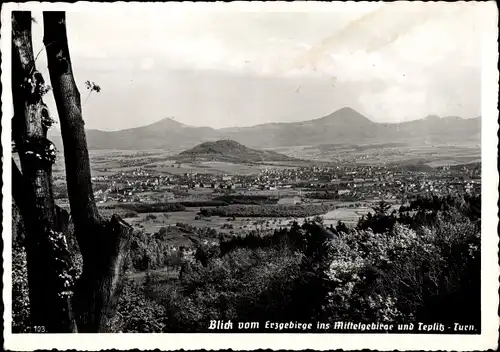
20,195
47,257
67,97
103,244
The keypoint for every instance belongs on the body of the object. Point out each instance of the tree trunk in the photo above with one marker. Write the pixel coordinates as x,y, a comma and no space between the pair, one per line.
47,256
103,244
67,97
21,198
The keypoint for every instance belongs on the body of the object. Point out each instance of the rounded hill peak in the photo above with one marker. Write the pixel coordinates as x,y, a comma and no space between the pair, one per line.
346,115
222,146
167,122
230,150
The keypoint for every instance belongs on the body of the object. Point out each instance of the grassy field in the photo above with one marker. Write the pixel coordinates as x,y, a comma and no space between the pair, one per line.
152,222
106,162
431,154
162,162
210,167
348,215
222,224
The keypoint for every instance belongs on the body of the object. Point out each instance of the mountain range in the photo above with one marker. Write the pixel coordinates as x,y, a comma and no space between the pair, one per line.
342,126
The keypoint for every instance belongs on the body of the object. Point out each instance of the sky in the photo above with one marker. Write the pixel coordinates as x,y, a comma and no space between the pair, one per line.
226,66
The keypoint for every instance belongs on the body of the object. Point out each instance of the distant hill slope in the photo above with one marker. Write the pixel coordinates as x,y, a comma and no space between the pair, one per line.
164,134
343,126
228,150
349,126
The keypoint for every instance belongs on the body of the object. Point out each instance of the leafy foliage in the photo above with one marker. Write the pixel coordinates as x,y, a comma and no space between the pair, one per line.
137,313
382,207
266,210
20,292
92,87
244,285
153,208
409,272
246,199
423,265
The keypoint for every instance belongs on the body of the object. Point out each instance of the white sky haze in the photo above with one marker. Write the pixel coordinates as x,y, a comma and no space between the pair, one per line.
217,65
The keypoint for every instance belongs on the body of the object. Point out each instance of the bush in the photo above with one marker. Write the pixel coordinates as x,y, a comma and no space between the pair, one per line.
137,313
429,275
151,251
244,285
154,252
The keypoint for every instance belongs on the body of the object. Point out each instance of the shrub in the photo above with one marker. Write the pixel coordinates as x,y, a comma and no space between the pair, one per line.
137,313
244,285
407,275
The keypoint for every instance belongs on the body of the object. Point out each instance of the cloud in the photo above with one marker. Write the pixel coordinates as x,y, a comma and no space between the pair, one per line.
391,61
147,64
396,103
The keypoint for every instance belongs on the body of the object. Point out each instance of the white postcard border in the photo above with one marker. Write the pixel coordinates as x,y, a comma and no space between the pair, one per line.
490,269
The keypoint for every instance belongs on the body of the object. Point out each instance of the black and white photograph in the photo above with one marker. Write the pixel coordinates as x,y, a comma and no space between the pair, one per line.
250,175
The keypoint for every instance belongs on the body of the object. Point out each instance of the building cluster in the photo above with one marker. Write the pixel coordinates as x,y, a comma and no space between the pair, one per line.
350,182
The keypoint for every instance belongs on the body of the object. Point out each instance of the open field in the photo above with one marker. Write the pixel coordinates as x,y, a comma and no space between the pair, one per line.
152,222
190,216
211,167
220,224
375,154
106,163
